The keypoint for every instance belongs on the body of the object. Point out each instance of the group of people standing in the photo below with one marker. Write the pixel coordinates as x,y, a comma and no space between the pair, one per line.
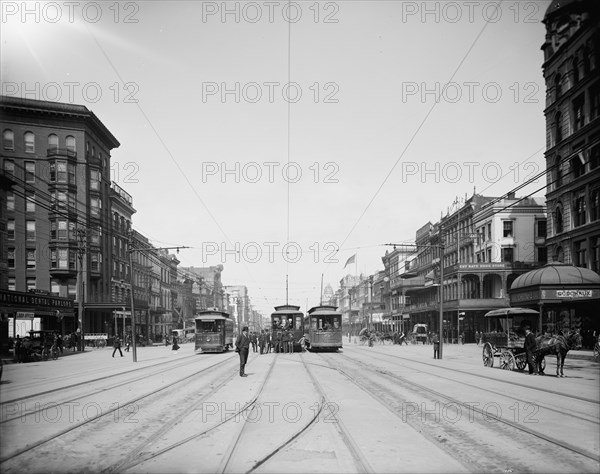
264,342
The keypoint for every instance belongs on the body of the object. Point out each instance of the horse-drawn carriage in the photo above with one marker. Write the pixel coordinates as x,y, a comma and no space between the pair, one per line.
507,341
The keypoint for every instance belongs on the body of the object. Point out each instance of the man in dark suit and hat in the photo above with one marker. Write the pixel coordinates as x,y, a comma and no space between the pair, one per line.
242,345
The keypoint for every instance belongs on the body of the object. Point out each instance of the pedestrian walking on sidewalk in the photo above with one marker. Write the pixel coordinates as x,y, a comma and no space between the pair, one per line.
117,345
242,346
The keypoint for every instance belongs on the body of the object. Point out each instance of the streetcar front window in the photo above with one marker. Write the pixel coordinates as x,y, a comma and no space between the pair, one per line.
207,326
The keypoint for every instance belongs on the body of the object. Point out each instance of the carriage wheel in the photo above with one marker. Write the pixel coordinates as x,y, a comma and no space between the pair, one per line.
507,361
521,361
488,355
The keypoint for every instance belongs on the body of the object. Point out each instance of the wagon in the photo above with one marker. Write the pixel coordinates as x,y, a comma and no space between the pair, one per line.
505,338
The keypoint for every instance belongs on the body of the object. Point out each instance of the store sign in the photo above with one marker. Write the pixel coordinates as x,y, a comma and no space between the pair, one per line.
23,315
574,293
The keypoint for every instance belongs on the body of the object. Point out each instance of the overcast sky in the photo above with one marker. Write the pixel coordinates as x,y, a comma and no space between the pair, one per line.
310,126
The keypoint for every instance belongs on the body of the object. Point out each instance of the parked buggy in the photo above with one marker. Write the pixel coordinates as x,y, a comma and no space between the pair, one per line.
507,339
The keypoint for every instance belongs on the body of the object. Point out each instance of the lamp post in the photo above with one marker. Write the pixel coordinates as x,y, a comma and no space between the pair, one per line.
370,325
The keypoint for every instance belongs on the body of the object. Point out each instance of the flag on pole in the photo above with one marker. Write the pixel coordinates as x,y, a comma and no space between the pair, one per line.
350,260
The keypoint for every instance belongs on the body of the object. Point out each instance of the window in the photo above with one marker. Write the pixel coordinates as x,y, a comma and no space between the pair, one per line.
558,173
71,144
30,172
11,284
580,211
71,288
507,228
595,204
96,206
541,228
542,255
10,201
578,165
71,169
29,201
9,167
96,261
575,70
29,139
595,157
8,140
63,256
558,220
31,285
72,261
594,102
52,142
507,254
10,229
95,178
11,258
30,226
30,259
490,231
595,254
578,113
557,89
580,253
54,287
558,128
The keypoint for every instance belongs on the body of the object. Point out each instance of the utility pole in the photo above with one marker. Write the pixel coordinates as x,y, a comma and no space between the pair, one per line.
131,250
81,252
440,248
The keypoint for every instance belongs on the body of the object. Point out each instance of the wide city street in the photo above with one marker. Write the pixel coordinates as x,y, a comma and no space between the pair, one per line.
386,408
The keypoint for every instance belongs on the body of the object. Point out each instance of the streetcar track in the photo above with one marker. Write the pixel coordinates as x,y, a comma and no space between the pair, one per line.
555,410
409,384
89,420
227,457
89,394
78,384
495,379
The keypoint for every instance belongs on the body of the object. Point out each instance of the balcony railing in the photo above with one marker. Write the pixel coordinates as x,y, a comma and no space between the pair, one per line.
66,152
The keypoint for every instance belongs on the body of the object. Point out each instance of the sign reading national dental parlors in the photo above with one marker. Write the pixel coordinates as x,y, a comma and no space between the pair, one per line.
19,300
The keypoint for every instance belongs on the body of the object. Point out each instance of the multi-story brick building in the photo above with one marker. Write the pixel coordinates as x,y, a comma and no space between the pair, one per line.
488,242
59,210
571,71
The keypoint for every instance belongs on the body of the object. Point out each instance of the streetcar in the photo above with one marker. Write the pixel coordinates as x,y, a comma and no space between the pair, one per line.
285,320
214,331
324,325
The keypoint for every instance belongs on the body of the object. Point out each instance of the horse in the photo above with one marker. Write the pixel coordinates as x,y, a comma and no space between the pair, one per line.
559,345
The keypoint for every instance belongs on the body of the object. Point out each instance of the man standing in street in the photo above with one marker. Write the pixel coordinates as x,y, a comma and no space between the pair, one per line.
242,345
436,346
530,346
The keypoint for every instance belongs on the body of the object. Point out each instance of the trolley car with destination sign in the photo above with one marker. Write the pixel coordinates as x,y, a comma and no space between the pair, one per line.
214,331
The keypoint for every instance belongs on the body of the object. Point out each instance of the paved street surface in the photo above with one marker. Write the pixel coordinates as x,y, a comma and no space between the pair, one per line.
387,408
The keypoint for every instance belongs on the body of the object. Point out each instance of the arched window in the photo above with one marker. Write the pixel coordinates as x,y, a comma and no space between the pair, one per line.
53,142
559,255
8,140
557,90
558,219
71,143
29,139
558,128
558,173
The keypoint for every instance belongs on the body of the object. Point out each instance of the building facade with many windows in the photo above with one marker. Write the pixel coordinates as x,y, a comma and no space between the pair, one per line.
57,213
572,75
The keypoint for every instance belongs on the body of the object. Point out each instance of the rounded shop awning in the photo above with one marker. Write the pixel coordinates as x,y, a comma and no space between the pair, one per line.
555,283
